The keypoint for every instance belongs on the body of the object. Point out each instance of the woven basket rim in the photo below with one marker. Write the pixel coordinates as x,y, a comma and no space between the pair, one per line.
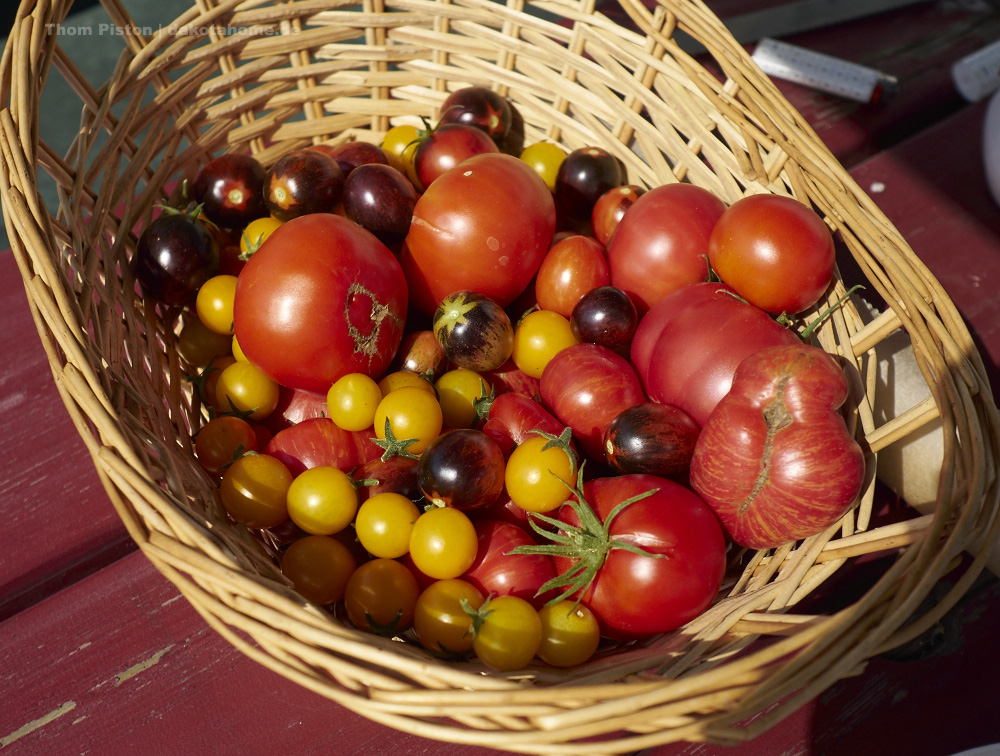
749,139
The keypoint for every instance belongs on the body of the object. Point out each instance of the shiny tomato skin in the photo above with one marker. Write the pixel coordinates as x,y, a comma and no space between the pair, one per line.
586,386
484,226
513,418
321,298
775,460
571,268
321,442
775,251
447,146
495,571
686,348
636,596
661,243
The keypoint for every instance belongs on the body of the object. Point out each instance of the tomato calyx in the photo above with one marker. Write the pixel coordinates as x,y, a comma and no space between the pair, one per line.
563,441
252,245
482,403
587,544
389,629
394,447
479,615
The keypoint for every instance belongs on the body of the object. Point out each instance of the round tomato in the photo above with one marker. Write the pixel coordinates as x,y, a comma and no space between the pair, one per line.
440,619
539,473
686,348
322,500
587,386
222,440
443,542
775,251
380,596
484,226
384,524
661,243
253,491
508,632
408,419
214,303
321,298
319,567
570,633
676,573
539,337
571,268
352,401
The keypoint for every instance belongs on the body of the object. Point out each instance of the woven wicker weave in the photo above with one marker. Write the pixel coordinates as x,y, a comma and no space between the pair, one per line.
249,75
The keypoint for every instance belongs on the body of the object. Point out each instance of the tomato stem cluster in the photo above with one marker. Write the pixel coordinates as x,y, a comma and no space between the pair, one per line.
588,543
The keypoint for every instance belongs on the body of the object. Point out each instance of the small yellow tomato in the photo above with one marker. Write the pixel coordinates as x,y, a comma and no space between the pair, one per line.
458,390
538,338
352,401
244,388
322,500
545,159
214,303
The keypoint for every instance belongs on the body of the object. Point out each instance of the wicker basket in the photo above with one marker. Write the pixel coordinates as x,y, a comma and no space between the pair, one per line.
249,75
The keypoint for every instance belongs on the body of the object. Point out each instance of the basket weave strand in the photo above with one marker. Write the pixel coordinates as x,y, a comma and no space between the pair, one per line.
249,75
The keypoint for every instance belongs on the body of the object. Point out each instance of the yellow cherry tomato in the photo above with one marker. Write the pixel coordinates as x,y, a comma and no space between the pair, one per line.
538,338
256,233
214,303
322,500
352,401
244,388
457,392
384,524
412,415
545,159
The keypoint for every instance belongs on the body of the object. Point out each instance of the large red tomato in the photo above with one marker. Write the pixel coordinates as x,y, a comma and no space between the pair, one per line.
775,459
635,595
484,226
775,251
661,243
321,298
686,348
587,386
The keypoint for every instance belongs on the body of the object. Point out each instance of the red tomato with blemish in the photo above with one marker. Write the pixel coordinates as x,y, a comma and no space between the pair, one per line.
321,298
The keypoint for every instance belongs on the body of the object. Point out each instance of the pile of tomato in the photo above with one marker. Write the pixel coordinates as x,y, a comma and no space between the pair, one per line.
494,399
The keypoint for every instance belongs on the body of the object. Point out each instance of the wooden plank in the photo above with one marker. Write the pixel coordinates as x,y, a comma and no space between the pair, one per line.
120,663
58,524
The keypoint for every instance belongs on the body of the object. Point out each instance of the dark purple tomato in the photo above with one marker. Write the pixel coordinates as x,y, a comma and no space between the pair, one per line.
462,468
381,199
606,316
350,155
474,331
230,189
652,438
303,181
175,255
585,174
480,107
447,146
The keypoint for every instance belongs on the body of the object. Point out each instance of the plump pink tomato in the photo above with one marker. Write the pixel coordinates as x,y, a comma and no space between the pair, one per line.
321,298
661,243
484,226
686,348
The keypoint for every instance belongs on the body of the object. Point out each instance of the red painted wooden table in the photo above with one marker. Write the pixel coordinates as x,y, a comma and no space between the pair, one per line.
99,653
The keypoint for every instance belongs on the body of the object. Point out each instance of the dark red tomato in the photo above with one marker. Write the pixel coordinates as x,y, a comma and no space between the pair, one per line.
606,316
230,189
350,155
610,208
381,199
775,251
483,226
635,595
501,573
461,468
321,298
175,255
586,386
651,438
321,442
445,147
480,107
513,417
686,348
302,182
396,475
571,268
585,174
661,243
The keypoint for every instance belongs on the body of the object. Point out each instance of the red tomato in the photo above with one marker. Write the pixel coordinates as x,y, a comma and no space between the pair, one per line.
294,406
587,385
445,147
484,226
513,417
571,268
638,595
320,441
321,298
499,572
775,251
775,460
661,243
686,348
